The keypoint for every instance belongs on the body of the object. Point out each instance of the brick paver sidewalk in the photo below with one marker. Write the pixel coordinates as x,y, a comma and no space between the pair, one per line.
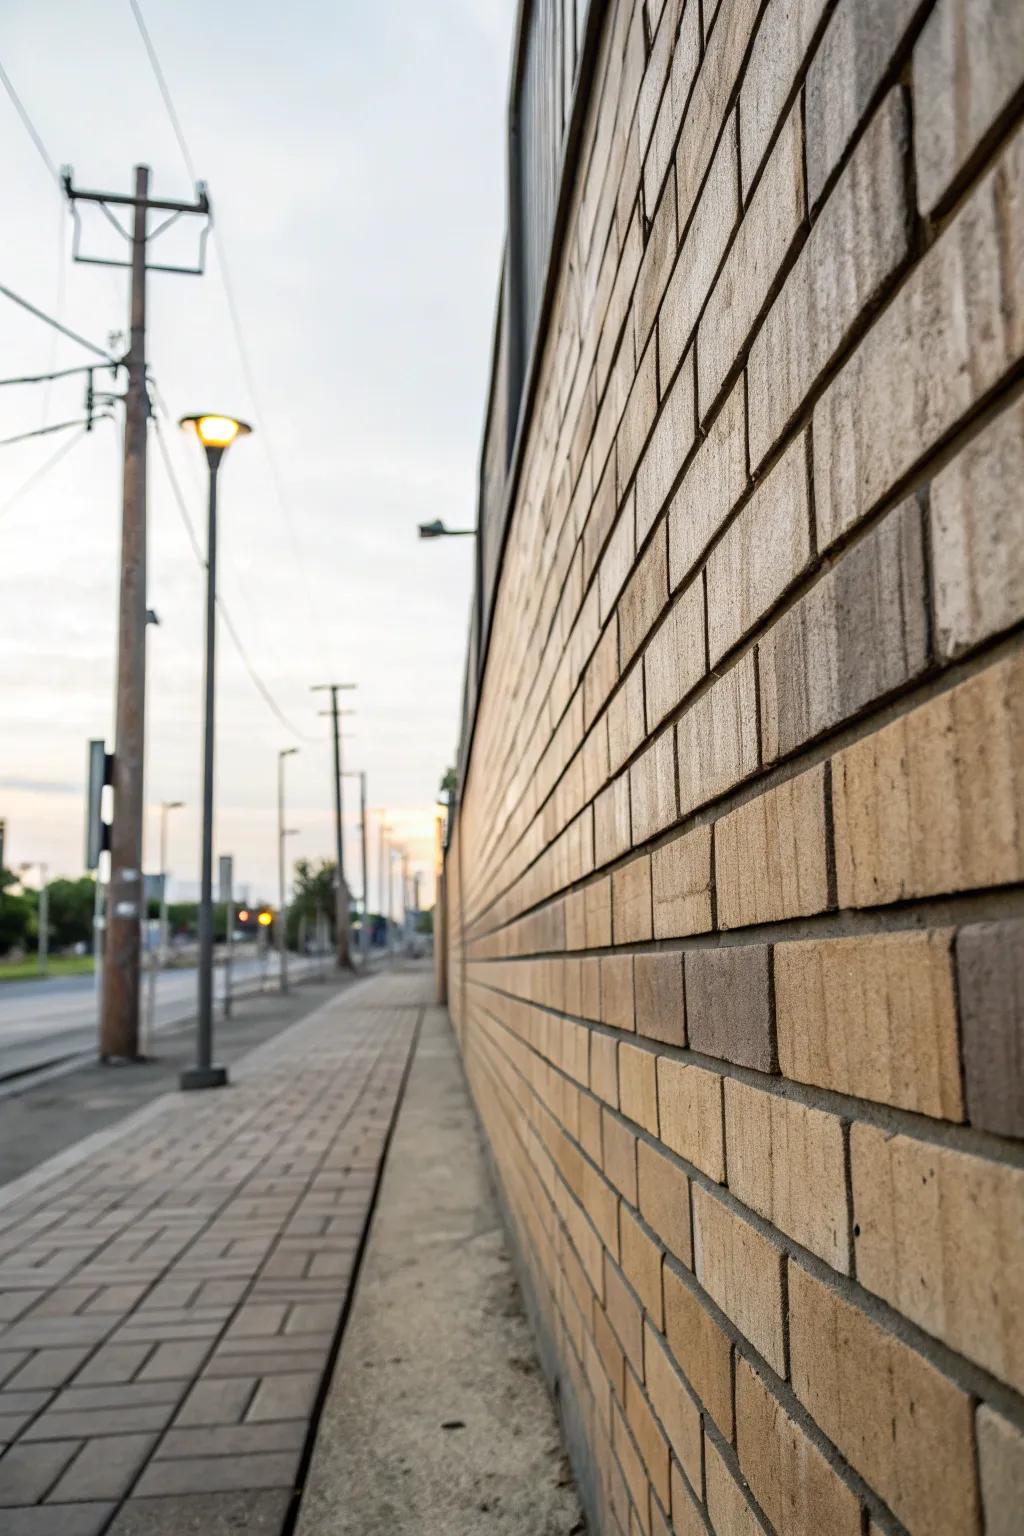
169,1298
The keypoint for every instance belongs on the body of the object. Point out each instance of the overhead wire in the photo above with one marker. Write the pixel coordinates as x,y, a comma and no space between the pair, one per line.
59,426
30,127
58,325
38,474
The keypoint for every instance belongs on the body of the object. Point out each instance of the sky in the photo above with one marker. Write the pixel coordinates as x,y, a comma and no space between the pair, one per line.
354,154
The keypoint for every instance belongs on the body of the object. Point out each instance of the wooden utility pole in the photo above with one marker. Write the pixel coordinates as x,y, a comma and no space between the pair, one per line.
344,957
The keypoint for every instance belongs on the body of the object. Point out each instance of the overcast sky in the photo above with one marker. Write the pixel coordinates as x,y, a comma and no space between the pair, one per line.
354,155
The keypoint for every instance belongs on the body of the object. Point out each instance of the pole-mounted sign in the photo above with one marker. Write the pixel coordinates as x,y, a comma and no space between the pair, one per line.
97,831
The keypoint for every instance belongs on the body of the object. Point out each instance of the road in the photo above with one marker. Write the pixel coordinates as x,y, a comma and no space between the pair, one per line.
42,1022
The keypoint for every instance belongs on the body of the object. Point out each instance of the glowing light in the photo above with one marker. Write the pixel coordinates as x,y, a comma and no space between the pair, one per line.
215,431
265,919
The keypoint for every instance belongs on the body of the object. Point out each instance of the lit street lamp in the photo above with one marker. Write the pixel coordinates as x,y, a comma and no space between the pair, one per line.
216,433
437,530
282,833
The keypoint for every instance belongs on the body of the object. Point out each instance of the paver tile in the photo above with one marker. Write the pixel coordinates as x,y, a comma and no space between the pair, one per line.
220,1474
103,1469
27,1472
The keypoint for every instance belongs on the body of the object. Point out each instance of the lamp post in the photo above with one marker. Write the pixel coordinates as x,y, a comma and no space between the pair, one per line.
282,938
43,947
166,807
437,530
364,931
216,433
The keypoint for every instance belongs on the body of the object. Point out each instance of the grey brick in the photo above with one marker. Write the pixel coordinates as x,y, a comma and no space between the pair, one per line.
10,1361
103,1469
257,1513
990,971
218,1474
75,1399
234,1439
27,1472
87,1422
58,1520
174,1361
289,1396
264,1365
728,1004
113,1363
217,1402
47,1368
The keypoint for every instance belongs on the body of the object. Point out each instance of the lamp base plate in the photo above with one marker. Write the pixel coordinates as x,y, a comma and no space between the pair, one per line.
203,1077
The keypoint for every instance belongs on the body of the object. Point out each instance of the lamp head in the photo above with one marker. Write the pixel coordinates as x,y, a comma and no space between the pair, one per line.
434,530
215,431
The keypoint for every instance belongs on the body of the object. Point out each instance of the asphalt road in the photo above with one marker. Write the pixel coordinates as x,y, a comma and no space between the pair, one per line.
44,1022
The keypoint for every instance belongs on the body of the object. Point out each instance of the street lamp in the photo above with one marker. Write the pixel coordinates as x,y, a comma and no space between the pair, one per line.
437,530
282,945
166,806
216,433
43,946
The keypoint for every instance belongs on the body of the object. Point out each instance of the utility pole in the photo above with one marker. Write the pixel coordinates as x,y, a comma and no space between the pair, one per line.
344,959
119,1023
364,931
384,878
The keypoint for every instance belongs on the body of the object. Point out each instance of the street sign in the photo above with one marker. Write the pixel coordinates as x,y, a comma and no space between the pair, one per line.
225,876
97,833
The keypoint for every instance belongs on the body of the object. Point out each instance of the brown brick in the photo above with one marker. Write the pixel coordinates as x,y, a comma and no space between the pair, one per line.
940,1235
590,1128
667,449
857,242
1001,1464
690,1115
861,632
590,988
652,789
788,1476
641,1262
970,52
645,596
597,909
952,331
664,1201
681,885
617,991
904,1427
952,757
727,1508
650,1441
625,1315
610,1352
714,482
990,974
658,985
729,1011
675,659
780,48
699,259
770,859
604,1067
638,1086
611,821
679,1414
602,1206
633,1471
701,1349
686,1520
873,1016
977,536
742,1272
786,1161
631,901
716,739
620,1148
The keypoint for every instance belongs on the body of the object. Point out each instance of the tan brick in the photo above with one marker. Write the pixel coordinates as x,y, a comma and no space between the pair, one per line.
727,1508
650,1441
788,1476
729,1006
763,242
616,562
645,595
667,448
620,1146
970,53
719,71
761,554
604,1067
638,1086
941,1237
681,885
782,43
955,327
859,239
625,1316
659,254
977,528
658,989
904,1427
679,1414
652,789
770,858
1001,1463
686,51
602,1206
675,659
954,762
716,739
664,1201
714,482
690,1115
611,821
701,1349
873,1016
626,720
590,988
631,901
641,1262
742,1272
590,1128
575,921
597,913
633,1471
601,674
637,418
786,1161
617,991
990,978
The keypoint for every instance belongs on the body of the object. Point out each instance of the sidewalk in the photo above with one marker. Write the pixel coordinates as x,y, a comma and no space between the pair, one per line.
171,1292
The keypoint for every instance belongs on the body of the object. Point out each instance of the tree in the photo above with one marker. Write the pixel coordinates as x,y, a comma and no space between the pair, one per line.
312,892
72,904
17,914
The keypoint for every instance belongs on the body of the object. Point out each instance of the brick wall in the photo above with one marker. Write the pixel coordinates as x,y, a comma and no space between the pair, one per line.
736,881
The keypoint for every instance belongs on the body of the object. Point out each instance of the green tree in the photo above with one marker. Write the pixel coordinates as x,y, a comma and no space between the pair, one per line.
17,914
71,911
312,892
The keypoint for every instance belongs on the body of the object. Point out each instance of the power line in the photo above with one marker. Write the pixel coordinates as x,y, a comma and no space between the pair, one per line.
60,426
30,127
44,469
47,378
164,91
65,330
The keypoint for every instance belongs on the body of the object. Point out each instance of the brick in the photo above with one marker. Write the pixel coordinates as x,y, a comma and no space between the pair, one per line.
601,674
85,1422
668,446
631,901
990,976
617,991
637,418
28,1472
611,821
787,1162
690,1115
641,1263
616,562
679,1414
860,238
900,1423
770,855
645,595
46,1368
658,258
597,913
716,739
620,1156
675,659
762,246
216,1402
969,52
872,1016
686,1521
788,1476
701,1349
638,1086
650,1441
658,990
602,1206
233,1440
686,51
742,1272
728,1510
625,729
633,1471
729,1011
1001,1465
625,1315
715,479
218,1474
103,1469
782,44
590,988
955,327
681,885
860,633
939,1234
652,789
112,1364
604,1068
952,757
719,71
761,554
977,536
699,259
664,1201
858,48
